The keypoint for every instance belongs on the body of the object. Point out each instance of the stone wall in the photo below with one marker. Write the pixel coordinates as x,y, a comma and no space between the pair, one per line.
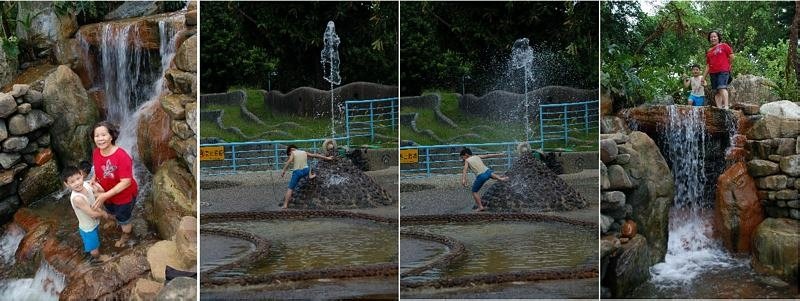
28,169
501,104
307,101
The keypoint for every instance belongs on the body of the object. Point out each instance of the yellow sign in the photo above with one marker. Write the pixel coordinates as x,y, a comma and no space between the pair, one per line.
409,156
212,153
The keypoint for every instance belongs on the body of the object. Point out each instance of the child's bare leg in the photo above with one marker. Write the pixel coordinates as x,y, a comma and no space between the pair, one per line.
477,198
126,234
499,177
286,198
690,102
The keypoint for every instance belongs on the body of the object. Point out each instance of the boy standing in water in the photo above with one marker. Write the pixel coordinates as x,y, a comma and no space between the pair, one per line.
698,83
82,199
300,169
482,173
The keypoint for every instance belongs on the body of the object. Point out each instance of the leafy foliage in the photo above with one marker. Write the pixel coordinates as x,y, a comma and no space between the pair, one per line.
243,42
441,42
644,56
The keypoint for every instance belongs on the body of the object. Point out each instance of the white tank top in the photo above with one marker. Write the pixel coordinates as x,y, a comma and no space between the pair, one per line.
476,165
697,85
300,159
85,221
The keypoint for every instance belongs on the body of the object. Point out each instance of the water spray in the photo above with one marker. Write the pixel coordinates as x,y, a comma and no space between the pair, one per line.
329,58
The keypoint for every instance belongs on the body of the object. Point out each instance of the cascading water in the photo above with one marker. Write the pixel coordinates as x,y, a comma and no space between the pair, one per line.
47,284
690,249
133,83
9,243
522,58
329,58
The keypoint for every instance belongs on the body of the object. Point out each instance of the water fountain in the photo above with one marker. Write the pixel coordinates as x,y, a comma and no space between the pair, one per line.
522,58
329,58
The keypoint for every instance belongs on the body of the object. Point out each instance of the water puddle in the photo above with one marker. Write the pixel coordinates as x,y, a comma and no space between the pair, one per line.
498,247
298,245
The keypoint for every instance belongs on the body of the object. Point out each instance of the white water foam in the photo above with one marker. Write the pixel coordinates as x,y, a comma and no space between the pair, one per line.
9,243
46,285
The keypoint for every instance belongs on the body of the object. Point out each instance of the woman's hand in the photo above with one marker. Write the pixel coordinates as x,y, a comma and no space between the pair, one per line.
100,199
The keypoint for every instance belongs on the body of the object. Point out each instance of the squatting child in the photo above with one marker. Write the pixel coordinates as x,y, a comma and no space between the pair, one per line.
698,83
82,199
482,173
300,169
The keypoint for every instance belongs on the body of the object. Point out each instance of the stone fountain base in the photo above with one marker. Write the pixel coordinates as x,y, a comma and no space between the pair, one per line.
532,186
339,184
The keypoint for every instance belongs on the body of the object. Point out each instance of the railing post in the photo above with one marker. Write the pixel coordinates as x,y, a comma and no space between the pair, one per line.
586,117
428,160
392,114
541,126
233,157
277,156
347,121
566,132
508,153
371,124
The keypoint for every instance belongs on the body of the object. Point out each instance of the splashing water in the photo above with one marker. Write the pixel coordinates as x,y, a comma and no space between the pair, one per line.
329,58
9,243
522,58
336,180
47,284
133,86
690,250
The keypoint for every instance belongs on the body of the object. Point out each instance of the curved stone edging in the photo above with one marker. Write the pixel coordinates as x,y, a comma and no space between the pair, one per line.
370,270
261,250
581,272
474,217
457,251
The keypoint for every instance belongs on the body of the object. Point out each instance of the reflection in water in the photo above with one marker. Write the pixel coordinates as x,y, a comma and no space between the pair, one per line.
498,247
298,245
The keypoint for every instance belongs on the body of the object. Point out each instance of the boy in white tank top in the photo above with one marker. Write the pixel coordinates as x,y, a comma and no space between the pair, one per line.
81,200
299,169
482,173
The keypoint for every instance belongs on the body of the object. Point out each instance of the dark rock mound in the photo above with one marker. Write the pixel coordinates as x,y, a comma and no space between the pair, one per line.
532,186
339,185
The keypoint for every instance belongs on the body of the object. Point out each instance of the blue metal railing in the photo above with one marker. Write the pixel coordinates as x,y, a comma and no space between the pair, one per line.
363,117
255,156
556,123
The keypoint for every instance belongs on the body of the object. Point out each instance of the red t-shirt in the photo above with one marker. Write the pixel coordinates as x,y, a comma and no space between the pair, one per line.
717,58
110,170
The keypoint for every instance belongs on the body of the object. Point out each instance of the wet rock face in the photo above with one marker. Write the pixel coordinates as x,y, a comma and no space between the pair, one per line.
339,185
531,187
737,210
74,114
629,268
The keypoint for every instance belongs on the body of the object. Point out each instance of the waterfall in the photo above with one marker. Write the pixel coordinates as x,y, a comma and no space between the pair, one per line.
9,243
690,249
133,83
47,284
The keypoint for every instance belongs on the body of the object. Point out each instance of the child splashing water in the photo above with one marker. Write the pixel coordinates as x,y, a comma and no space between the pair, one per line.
482,173
300,169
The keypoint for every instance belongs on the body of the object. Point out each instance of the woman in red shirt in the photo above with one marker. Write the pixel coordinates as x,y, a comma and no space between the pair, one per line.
113,169
718,59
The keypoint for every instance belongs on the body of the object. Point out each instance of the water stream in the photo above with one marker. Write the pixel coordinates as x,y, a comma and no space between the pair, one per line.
329,58
522,58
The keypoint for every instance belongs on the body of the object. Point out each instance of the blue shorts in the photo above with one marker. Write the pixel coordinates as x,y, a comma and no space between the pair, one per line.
91,239
481,179
122,213
720,80
697,101
297,175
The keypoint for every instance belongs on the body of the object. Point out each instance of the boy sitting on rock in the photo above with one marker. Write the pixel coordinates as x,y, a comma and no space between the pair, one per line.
82,199
482,173
300,169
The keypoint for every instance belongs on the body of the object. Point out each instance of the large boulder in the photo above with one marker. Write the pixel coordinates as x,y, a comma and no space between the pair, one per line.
21,124
186,56
750,89
775,248
153,135
40,181
181,288
783,109
652,199
737,210
630,268
162,254
131,9
791,165
8,68
186,240
74,115
107,281
774,127
45,23
173,198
